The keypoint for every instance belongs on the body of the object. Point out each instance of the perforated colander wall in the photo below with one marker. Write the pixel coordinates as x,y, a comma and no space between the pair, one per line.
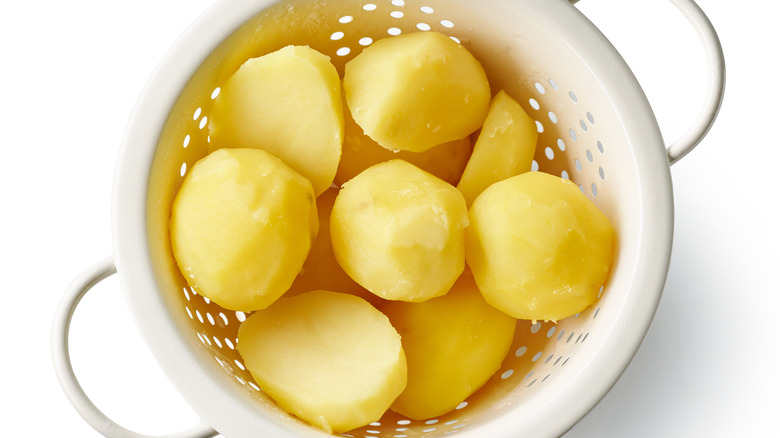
570,145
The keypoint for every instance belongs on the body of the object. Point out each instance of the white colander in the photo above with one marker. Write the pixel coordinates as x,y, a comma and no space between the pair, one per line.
596,128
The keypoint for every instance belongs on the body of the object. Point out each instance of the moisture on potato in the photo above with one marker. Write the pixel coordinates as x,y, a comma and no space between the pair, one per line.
359,152
329,358
399,231
505,147
288,103
321,270
453,345
417,90
538,248
241,227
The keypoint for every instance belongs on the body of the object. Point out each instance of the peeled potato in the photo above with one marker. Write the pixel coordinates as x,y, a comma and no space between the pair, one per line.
288,103
329,358
399,231
321,270
505,147
538,248
414,91
453,345
241,226
359,152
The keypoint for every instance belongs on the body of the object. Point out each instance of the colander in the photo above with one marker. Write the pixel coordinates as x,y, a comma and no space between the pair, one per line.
596,128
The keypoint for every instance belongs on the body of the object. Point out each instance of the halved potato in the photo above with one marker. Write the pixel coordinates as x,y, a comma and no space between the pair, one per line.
288,103
417,90
329,358
453,345
399,231
359,152
241,226
538,248
505,147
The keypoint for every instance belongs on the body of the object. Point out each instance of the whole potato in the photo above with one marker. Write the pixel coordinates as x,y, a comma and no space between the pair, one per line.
399,231
538,248
241,227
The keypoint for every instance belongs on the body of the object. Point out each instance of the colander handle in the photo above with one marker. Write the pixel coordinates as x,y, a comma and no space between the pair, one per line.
716,81
64,369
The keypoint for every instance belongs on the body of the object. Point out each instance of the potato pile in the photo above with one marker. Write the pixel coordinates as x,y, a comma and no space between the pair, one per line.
383,260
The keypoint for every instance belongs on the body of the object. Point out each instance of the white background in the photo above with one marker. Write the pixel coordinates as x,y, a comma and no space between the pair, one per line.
69,77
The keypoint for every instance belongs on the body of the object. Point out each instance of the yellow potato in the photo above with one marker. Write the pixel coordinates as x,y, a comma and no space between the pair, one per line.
241,226
505,147
360,152
329,358
453,344
538,248
321,270
399,231
417,90
288,103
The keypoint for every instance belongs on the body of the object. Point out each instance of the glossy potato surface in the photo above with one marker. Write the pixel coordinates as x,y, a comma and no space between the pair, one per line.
538,248
360,152
288,103
505,147
241,227
417,90
399,231
321,270
329,358
453,345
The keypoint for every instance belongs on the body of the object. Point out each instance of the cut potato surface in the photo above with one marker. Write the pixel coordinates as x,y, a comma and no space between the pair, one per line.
288,103
505,147
538,248
399,231
241,226
453,345
321,270
415,91
360,152
329,358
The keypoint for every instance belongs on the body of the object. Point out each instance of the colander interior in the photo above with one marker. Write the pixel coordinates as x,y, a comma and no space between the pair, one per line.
527,50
